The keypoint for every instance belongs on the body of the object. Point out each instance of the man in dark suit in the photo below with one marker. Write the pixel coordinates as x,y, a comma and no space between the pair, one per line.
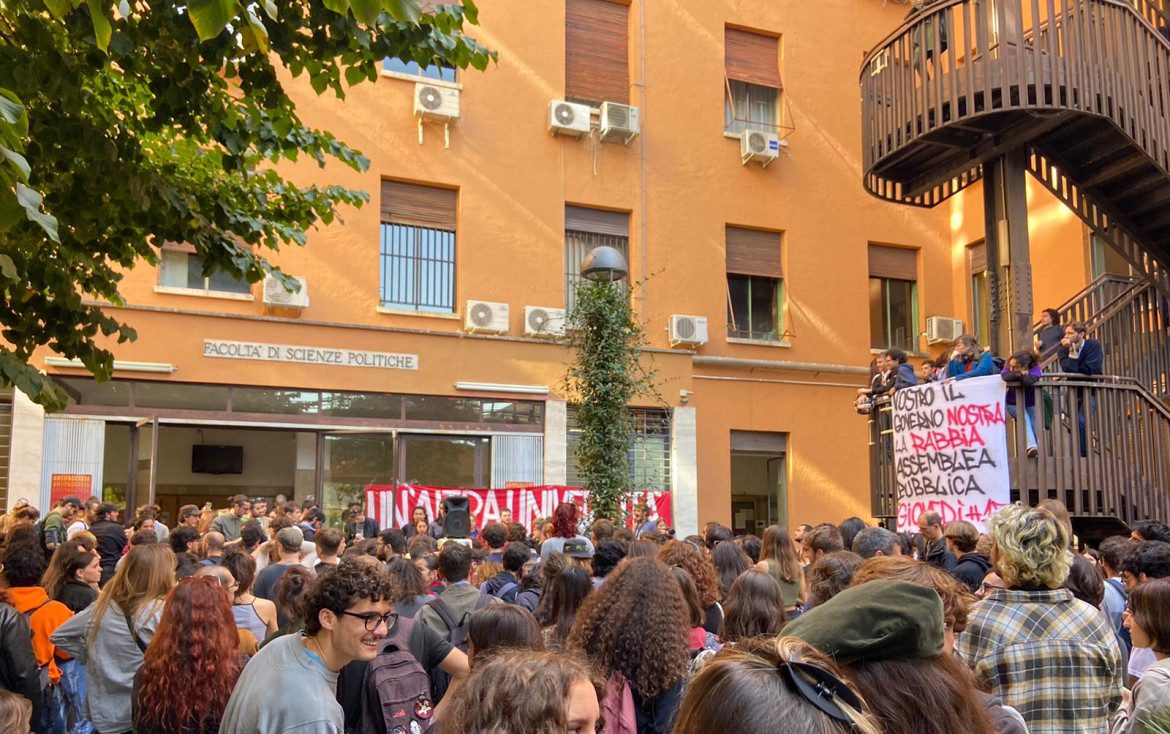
1080,355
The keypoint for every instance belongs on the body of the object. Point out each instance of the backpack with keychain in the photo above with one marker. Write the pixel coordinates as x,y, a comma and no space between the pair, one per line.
396,694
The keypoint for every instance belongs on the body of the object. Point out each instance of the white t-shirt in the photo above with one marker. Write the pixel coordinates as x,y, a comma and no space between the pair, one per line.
77,527
1140,660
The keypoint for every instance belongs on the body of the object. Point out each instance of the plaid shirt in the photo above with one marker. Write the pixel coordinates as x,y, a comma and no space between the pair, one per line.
1052,657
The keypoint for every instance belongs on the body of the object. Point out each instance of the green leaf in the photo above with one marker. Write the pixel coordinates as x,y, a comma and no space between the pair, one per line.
367,11
31,201
259,32
210,17
269,8
10,210
8,268
340,7
406,11
353,75
12,111
61,8
18,162
101,23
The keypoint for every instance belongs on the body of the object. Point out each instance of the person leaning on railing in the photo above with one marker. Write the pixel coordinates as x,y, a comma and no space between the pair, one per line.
1022,370
969,360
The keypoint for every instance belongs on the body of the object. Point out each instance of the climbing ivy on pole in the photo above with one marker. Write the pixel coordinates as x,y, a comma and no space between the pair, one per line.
605,374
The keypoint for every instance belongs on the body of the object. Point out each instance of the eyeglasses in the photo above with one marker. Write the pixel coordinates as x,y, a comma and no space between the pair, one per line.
373,619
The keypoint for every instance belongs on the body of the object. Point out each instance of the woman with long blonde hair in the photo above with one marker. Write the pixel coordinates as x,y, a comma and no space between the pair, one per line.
111,635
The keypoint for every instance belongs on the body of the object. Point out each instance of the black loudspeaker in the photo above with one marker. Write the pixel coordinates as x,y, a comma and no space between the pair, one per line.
457,520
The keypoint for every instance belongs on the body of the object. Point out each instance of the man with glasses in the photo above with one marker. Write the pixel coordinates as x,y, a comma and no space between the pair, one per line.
347,614
229,524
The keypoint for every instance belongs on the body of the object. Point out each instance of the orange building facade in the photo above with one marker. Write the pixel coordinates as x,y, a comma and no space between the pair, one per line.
422,352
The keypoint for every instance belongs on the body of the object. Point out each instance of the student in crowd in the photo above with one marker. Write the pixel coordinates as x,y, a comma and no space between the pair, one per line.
872,542
500,627
189,517
1021,371
191,665
1150,530
23,566
390,544
1147,618
288,548
1050,333
889,636
1084,581
505,585
930,524
730,562
330,544
409,588
558,607
292,592
642,522
820,540
184,539
15,712
417,515
111,540
437,528
1113,550
526,692
849,528
565,521
702,573
968,360
19,671
971,567
459,598
111,635
212,549
258,616
76,587
778,559
228,524
290,685
830,575
1050,656
358,526
1080,355
53,527
1148,560
753,606
634,629
767,685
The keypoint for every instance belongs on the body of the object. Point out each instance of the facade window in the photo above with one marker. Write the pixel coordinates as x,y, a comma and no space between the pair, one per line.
754,285
586,229
181,267
980,292
412,68
752,77
597,64
417,252
649,450
893,298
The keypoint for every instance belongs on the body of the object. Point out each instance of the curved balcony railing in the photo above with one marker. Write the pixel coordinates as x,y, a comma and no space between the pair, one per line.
962,81
1103,450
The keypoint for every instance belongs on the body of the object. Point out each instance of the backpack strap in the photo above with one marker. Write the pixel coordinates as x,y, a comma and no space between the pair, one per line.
503,591
444,613
1120,587
482,601
133,632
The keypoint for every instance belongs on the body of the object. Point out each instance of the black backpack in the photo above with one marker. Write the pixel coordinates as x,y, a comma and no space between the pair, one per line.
396,692
456,635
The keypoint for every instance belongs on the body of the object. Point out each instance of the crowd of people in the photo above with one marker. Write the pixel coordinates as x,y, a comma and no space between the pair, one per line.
251,620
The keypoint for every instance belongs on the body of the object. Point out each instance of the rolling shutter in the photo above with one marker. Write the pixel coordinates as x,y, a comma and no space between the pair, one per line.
418,206
893,262
977,257
597,56
753,252
752,57
597,221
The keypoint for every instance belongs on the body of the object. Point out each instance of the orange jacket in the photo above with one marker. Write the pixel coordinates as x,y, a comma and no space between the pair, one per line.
44,622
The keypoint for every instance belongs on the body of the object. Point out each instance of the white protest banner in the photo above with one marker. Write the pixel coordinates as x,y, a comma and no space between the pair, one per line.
950,451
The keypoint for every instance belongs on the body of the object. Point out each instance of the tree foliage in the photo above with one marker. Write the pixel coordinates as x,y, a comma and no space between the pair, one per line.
123,127
606,373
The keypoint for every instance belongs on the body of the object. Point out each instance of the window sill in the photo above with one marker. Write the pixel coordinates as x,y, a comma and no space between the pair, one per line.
221,295
418,78
423,314
759,342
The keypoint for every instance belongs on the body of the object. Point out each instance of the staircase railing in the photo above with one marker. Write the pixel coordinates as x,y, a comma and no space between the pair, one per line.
1102,448
1087,303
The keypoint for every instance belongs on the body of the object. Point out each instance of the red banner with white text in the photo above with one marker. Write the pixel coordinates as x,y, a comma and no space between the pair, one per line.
392,506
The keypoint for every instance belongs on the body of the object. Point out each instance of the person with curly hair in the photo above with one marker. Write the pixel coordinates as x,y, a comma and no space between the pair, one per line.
194,649
695,562
526,692
347,614
1049,655
754,688
754,606
565,520
635,630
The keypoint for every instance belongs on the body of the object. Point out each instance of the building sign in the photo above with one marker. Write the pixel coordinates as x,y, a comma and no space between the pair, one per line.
392,506
950,451
65,485
226,349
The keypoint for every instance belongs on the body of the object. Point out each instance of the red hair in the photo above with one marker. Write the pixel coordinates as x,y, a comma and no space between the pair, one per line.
192,663
564,520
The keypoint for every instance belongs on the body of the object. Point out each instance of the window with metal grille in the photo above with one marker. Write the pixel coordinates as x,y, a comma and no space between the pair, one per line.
649,449
417,247
586,229
5,444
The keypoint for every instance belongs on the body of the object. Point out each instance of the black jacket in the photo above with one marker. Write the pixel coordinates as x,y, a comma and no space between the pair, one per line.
111,539
18,664
971,570
939,557
76,595
500,580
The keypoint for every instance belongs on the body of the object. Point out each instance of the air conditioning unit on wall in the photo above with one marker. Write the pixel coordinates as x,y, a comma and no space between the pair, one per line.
757,145
942,329
619,123
544,322
432,102
275,294
568,118
483,316
687,330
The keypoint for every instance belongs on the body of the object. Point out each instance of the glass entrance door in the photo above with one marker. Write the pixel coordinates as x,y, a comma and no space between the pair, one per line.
350,463
445,461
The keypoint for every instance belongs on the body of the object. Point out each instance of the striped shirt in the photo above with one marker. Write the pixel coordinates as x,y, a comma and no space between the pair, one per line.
1047,654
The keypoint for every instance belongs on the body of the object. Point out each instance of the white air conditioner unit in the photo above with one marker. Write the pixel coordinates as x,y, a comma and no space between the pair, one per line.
941,329
568,118
433,102
275,294
485,316
689,330
619,122
544,322
757,145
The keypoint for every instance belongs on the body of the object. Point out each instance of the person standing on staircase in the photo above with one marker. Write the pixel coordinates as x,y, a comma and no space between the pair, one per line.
1080,355
1049,334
